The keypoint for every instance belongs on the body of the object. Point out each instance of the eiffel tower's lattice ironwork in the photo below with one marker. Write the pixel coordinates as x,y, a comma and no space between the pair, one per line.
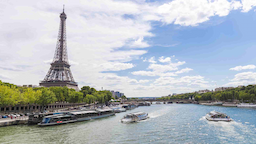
59,73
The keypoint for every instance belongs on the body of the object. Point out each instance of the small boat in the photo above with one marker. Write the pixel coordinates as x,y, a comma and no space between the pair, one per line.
57,120
217,103
247,105
118,109
217,116
129,106
213,104
169,102
158,102
144,104
134,117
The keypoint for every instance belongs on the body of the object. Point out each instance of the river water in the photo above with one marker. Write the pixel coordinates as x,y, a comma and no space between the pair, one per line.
169,123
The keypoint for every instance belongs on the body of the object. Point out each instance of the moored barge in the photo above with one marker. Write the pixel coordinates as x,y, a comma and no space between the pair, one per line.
75,116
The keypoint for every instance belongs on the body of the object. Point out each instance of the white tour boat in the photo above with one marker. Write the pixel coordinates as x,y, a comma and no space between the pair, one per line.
134,117
217,116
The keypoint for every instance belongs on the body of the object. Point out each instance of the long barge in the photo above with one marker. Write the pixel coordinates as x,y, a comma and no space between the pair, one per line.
75,116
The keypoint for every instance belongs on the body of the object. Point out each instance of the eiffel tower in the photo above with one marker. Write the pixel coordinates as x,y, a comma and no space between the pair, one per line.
59,73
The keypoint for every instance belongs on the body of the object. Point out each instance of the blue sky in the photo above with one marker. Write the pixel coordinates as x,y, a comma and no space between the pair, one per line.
141,48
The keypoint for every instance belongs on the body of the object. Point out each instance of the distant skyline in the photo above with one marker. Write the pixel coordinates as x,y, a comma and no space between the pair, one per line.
143,48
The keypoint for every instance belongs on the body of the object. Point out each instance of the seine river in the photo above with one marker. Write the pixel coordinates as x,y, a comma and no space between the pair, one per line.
173,123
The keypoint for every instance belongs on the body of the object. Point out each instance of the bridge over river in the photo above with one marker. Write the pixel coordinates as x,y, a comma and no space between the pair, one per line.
163,101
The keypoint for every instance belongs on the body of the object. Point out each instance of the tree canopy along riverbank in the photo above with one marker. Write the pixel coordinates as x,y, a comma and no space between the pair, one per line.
245,94
11,95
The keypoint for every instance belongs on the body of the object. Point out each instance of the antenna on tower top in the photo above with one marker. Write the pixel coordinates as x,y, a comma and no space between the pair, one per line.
63,7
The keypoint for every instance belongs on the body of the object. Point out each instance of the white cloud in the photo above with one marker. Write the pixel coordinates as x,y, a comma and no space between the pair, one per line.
236,5
139,43
73,62
239,68
152,60
183,81
144,73
191,13
248,5
185,70
167,46
114,66
164,60
4,77
243,78
134,81
143,81
10,68
165,68
152,73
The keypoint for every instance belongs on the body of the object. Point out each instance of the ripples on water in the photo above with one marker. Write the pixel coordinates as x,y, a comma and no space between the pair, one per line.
170,123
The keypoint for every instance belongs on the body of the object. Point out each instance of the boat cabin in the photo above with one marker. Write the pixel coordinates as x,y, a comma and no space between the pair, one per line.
59,118
82,114
214,114
105,111
38,117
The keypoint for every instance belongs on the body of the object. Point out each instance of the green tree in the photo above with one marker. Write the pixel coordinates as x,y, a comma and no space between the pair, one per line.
85,90
244,96
252,97
46,97
89,99
123,97
59,93
9,96
75,97
92,91
30,96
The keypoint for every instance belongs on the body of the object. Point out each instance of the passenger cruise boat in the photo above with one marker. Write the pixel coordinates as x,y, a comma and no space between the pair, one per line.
134,117
217,116
76,116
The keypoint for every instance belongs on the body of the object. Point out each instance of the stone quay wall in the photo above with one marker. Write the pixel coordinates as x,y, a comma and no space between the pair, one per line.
36,108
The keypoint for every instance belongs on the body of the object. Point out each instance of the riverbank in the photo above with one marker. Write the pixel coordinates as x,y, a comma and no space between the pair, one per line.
229,104
15,121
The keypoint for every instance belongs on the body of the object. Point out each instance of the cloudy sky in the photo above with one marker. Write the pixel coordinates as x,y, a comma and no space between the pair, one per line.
139,47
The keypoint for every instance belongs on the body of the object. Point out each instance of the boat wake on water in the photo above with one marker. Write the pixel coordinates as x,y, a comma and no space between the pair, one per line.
202,118
231,129
156,114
